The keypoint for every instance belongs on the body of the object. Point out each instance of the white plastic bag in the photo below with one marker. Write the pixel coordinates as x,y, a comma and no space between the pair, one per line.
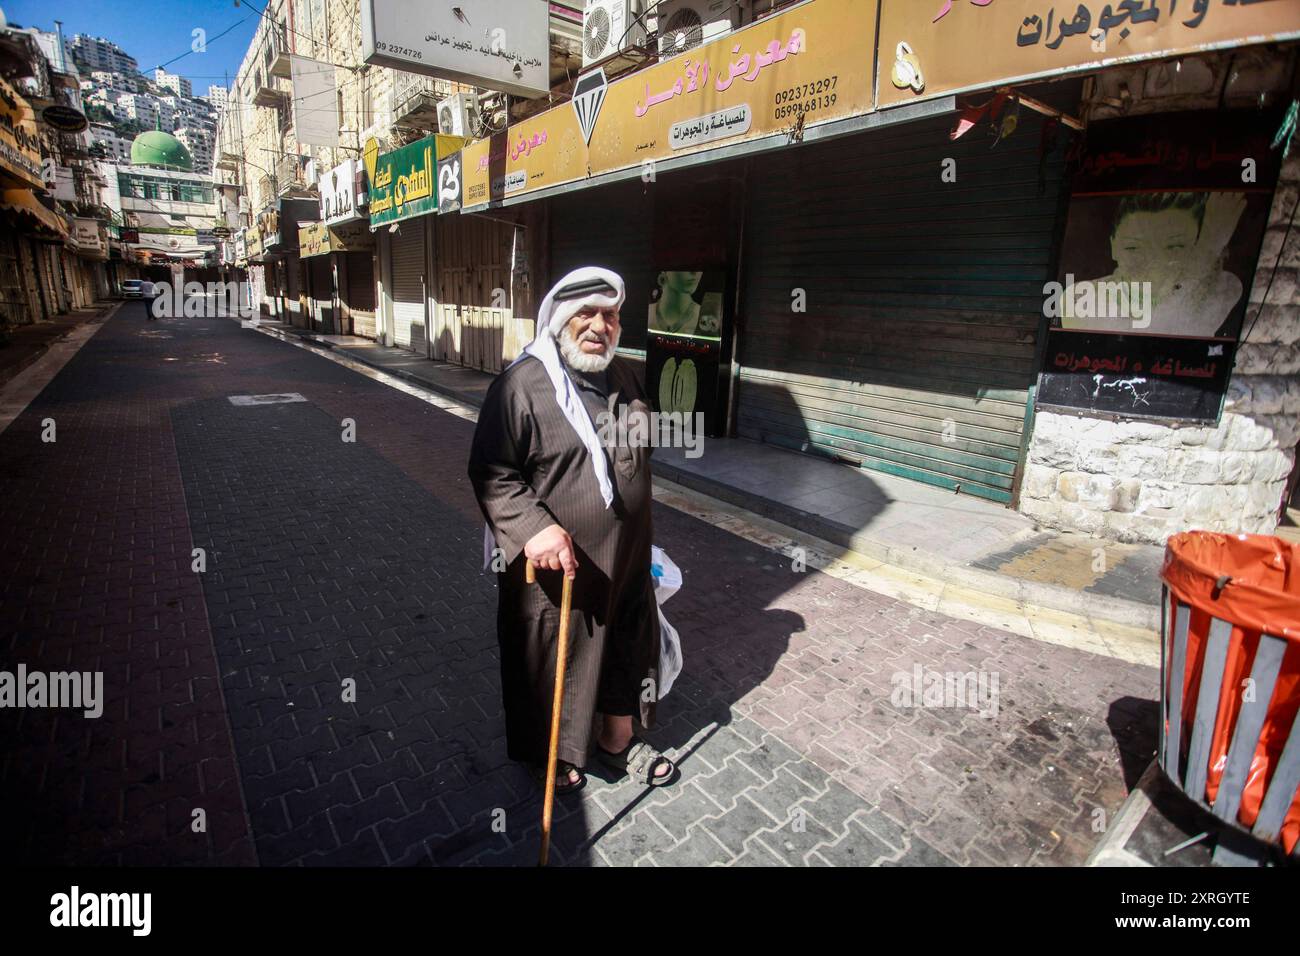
668,581
670,655
668,576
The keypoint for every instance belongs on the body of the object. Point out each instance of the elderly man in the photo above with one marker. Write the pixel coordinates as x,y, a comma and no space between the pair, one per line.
557,495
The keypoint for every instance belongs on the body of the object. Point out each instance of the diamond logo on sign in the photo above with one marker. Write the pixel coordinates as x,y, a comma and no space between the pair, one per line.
371,157
588,97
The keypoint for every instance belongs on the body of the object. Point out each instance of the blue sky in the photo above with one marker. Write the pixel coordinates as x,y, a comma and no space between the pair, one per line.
154,31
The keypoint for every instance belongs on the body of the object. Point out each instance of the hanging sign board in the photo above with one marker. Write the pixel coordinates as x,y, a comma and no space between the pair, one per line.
494,44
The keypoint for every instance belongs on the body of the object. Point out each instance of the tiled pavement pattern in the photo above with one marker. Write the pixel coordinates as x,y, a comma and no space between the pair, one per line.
330,561
1127,571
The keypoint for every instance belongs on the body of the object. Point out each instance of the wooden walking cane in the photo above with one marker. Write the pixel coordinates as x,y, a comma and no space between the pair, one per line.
557,704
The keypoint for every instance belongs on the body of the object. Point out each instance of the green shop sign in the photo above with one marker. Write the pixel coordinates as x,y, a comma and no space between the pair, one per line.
403,183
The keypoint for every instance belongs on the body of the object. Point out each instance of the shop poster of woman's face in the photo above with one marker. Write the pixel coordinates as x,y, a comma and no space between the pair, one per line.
1176,247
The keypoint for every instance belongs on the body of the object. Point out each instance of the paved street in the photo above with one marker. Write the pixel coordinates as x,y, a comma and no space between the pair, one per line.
334,565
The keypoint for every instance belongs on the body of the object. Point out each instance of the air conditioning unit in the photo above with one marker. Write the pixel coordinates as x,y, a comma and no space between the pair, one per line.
609,26
686,24
458,115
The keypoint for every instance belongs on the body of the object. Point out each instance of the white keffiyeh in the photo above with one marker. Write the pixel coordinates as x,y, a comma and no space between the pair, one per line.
552,317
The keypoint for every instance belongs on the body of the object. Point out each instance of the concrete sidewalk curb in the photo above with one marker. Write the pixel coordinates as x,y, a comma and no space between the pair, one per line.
310,339
105,312
1035,593
1030,593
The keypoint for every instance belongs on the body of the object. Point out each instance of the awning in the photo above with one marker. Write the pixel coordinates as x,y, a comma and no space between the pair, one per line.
30,211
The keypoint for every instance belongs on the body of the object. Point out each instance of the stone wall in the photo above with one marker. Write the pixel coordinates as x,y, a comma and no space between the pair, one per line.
1142,481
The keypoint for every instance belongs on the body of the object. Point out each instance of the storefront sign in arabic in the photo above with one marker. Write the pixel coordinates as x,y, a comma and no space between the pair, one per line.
496,44
450,178
801,68
268,227
87,235
797,69
20,152
403,183
338,194
934,47
318,239
1159,253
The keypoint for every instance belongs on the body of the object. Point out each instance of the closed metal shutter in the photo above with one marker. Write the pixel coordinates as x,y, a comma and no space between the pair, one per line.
28,254
13,301
611,227
291,265
49,270
408,285
915,354
361,293
322,291
257,279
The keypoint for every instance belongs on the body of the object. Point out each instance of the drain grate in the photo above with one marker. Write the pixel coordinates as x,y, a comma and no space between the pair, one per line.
276,399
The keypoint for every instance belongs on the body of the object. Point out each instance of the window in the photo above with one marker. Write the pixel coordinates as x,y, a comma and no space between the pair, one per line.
367,102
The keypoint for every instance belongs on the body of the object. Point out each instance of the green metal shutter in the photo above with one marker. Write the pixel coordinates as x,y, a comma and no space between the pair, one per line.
916,351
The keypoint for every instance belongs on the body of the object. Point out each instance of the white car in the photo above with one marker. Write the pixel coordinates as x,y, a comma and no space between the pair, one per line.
138,289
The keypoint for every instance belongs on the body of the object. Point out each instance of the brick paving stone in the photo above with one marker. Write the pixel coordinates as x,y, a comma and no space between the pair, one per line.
685,810
329,560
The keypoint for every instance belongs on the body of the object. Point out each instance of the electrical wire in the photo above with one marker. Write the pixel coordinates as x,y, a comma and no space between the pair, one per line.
1272,275
205,43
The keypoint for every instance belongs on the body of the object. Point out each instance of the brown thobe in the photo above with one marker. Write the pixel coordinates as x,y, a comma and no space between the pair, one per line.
530,470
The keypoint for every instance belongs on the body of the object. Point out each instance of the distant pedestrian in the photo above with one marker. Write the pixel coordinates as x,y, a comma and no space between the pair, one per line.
554,494
148,295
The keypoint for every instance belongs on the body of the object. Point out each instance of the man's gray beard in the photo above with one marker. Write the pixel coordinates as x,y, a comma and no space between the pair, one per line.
581,361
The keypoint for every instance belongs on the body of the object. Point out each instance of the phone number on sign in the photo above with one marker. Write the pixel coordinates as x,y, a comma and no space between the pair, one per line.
808,106
804,90
398,50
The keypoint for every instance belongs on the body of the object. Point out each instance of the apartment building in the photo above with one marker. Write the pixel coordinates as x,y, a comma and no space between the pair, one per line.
97,53
172,81
108,144
112,80
199,140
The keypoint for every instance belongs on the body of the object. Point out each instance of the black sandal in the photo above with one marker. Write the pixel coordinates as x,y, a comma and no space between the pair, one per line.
563,781
639,761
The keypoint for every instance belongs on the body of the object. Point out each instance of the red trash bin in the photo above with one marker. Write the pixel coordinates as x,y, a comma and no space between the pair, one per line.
1230,679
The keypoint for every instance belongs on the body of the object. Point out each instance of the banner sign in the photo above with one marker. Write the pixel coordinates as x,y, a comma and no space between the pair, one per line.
937,47
20,151
494,44
315,102
808,66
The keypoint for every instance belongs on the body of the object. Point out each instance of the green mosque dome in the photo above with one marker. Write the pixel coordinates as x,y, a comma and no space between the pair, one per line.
156,148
